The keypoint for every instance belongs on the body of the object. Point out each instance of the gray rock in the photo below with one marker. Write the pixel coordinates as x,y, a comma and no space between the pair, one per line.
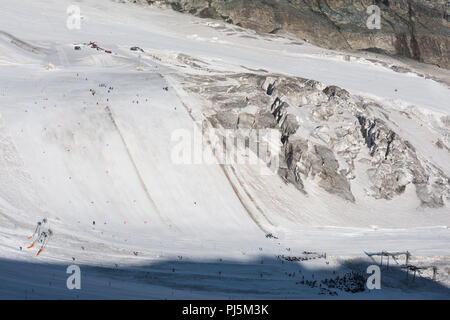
417,29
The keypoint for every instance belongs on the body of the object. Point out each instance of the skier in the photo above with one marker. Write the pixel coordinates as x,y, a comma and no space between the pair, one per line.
37,231
43,239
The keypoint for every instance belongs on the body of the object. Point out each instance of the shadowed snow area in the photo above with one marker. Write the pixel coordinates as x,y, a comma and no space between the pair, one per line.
87,141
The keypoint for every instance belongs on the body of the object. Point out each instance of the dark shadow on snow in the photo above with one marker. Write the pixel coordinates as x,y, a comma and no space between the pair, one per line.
262,278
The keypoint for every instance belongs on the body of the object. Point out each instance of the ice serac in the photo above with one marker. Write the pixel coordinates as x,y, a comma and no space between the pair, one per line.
395,164
417,29
328,136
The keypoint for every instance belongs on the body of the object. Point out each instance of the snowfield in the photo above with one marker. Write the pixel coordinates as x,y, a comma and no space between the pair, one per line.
86,141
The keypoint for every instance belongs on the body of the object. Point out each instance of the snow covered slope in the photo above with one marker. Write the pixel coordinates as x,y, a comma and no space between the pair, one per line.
86,141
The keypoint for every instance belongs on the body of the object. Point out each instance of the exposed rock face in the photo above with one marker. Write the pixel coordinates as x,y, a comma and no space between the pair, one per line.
417,29
328,136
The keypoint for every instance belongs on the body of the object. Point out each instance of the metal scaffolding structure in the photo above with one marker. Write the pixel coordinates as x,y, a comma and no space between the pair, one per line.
406,265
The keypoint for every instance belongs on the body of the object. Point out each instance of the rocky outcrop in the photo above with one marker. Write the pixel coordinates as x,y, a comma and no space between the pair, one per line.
394,164
417,29
328,137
